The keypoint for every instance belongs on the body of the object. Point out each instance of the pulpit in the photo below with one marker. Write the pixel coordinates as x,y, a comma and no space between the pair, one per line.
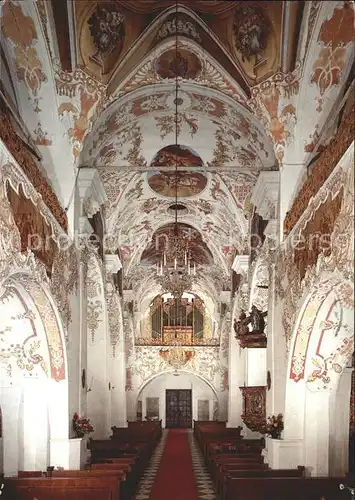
254,408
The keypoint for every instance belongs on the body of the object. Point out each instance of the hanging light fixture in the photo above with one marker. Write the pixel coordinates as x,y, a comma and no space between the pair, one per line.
175,271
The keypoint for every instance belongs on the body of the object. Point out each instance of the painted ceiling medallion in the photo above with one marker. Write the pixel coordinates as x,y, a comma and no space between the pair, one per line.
181,63
187,183
251,32
106,26
184,184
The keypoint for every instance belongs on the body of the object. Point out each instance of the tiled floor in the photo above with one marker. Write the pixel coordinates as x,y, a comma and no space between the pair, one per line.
205,489
203,481
148,478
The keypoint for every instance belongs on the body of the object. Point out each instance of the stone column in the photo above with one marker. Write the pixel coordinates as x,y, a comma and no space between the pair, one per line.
82,365
116,355
236,372
118,386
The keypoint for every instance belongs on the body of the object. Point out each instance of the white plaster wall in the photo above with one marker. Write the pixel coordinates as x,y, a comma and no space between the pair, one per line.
339,426
277,363
157,387
97,386
236,379
117,379
256,367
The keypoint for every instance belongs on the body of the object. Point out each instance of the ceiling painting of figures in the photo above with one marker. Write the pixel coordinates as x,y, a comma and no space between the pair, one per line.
177,183
180,156
180,184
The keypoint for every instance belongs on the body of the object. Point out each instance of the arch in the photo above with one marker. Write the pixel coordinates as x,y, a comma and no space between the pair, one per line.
321,345
136,106
194,386
152,377
35,384
149,37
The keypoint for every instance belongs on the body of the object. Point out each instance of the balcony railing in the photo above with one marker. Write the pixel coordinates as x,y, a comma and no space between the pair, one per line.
160,341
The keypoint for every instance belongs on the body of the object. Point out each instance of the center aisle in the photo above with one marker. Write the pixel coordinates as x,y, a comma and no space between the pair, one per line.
175,479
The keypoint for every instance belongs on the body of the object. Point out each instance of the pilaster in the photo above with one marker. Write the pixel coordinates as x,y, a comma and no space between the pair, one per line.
266,193
91,191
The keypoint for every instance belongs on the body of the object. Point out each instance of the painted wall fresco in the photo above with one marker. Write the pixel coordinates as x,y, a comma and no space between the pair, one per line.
181,63
29,67
334,36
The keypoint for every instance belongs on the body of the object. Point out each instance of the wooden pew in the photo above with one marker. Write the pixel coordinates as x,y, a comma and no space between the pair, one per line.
129,448
131,481
62,488
228,471
30,473
271,488
120,475
219,469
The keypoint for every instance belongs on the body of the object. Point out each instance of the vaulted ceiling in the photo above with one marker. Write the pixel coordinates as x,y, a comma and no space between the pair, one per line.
139,86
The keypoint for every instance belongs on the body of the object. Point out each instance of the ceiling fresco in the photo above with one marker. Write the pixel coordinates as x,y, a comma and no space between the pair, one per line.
178,63
134,128
179,183
251,81
247,38
176,155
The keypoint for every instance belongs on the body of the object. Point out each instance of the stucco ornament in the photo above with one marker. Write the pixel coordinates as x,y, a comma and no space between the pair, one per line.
183,27
22,275
274,102
64,281
95,294
203,361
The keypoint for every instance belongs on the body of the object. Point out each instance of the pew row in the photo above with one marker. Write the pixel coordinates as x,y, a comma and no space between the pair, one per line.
120,462
103,487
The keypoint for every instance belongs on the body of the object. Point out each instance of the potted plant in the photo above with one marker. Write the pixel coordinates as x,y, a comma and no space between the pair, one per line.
81,425
274,426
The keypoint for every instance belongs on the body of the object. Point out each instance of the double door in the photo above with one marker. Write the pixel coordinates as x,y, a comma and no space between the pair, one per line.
178,408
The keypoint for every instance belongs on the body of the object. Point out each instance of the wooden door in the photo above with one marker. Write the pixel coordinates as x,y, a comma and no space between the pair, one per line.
178,408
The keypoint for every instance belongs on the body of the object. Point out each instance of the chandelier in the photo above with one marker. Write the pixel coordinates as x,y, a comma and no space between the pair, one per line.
176,282
175,270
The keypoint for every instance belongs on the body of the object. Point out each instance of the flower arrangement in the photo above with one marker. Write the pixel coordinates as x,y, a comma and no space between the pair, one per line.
274,426
81,425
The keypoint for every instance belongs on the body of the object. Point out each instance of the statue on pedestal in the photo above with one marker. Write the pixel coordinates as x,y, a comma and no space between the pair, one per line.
257,319
241,326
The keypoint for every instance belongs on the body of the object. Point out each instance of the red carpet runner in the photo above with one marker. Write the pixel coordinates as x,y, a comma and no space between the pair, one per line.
175,479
